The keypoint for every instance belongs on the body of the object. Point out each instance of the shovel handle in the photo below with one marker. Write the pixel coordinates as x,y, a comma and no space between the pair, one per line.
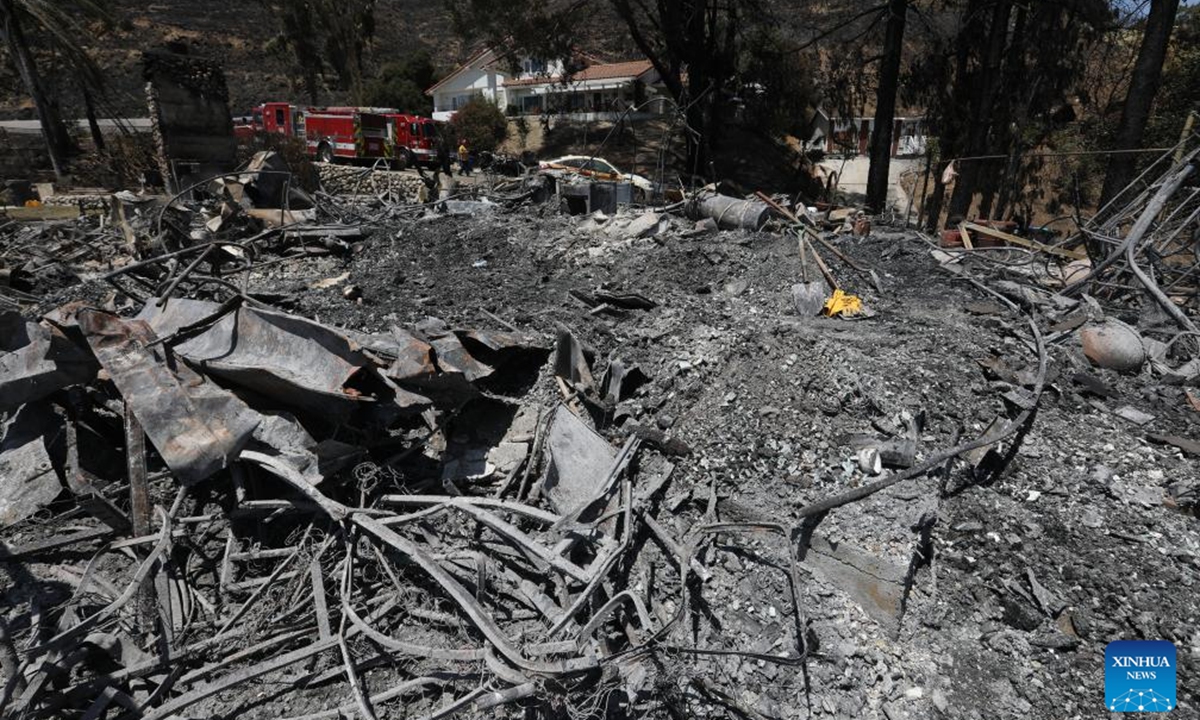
824,268
803,257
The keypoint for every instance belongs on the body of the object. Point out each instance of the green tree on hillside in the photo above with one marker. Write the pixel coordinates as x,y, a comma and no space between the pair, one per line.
402,85
481,124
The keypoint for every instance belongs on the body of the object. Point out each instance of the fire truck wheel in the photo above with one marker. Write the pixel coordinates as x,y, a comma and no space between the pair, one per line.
325,153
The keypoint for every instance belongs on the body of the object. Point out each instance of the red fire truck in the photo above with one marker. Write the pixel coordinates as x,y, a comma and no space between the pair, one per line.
350,133
345,133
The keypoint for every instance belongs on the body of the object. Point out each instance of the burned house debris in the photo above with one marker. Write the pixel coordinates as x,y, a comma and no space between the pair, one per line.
189,117
395,448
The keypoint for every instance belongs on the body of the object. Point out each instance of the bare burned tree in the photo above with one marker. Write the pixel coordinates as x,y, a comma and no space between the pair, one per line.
994,83
1143,87
885,105
326,33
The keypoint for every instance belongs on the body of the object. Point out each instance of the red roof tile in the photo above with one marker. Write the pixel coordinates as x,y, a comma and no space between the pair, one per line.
521,82
605,71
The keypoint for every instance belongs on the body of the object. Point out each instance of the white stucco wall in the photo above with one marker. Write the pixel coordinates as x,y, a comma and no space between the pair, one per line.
486,82
852,175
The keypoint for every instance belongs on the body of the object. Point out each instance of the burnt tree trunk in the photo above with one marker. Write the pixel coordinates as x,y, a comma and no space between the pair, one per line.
952,125
933,209
1006,180
885,106
1143,86
683,26
983,108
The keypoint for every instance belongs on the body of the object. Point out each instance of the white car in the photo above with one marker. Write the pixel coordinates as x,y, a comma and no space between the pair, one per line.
598,168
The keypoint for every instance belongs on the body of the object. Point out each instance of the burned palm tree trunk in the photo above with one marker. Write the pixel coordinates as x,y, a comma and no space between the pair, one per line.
93,124
53,131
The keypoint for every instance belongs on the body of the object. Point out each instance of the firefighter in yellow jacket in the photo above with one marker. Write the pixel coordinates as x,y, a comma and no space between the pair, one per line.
464,158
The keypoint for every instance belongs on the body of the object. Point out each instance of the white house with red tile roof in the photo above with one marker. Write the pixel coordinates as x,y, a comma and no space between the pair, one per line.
599,90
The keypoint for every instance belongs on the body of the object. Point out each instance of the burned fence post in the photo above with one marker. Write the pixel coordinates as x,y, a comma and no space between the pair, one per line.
139,506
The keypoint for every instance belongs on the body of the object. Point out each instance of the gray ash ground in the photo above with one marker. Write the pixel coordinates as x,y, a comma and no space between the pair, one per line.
767,402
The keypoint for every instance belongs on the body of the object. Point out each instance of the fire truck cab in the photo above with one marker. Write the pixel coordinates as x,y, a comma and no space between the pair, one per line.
279,118
414,139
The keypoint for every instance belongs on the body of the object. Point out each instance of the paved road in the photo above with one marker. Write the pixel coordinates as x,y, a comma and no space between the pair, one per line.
31,127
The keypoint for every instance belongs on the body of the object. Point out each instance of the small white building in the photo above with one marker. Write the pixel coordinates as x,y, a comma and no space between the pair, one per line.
598,91
852,136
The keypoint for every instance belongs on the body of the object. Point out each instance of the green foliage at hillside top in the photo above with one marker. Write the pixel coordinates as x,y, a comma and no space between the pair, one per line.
401,84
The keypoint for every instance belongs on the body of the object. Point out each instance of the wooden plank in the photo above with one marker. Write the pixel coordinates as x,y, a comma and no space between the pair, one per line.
1186,445
42,212
277,218
1023,242
966,237
322,608
139,490
52,543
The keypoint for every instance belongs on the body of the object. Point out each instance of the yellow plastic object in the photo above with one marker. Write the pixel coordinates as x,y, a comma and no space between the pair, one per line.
33,203
842,304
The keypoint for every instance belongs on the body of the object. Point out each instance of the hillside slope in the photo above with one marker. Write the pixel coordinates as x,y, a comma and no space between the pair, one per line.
238,33
235,34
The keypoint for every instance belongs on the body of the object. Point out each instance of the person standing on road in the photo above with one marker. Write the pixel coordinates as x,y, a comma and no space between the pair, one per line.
463,157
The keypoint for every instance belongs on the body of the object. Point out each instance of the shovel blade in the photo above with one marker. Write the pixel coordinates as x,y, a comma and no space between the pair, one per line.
808,298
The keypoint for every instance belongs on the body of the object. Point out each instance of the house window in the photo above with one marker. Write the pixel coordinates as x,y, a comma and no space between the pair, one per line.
533,66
